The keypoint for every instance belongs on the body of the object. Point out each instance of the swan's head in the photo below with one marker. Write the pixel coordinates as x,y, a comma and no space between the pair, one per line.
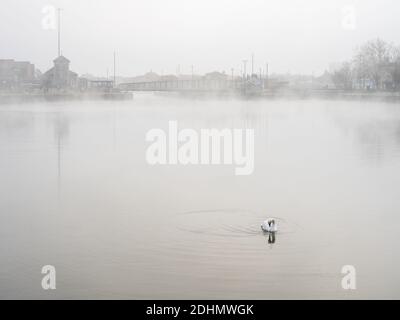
271,222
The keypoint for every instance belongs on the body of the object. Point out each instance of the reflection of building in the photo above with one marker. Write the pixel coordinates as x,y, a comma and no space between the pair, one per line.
60,77
16,73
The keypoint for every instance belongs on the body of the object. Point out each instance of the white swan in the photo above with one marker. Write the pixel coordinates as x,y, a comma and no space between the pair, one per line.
269,225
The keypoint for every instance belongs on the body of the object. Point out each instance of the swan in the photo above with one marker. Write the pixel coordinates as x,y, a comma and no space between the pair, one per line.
269,225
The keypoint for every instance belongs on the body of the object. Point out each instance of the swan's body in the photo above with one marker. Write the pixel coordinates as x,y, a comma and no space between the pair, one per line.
269,226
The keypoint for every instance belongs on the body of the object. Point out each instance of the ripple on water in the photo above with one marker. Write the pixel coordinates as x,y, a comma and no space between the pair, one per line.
228,223
214,242
223,249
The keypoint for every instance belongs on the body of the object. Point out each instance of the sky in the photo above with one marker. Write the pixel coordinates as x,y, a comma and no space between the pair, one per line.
296,36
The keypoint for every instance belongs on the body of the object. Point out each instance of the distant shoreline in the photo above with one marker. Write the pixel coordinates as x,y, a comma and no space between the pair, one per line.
6,98
43,97
335,94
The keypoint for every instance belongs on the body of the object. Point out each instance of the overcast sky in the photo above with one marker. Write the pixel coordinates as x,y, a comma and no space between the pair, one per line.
297,36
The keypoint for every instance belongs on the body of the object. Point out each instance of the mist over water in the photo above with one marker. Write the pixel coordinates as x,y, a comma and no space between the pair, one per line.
76,192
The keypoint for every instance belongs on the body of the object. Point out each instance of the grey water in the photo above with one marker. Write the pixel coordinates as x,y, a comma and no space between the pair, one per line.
76,192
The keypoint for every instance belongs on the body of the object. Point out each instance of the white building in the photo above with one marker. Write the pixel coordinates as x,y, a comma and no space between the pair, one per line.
60,77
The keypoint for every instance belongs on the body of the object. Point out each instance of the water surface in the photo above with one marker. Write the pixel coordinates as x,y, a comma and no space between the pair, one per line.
76,192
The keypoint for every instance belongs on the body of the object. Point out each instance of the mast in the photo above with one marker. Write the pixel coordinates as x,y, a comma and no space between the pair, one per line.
252,64
59,31
114,69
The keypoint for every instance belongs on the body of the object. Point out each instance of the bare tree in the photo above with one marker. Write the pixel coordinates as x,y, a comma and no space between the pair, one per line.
394,69
360,69
373,61
375,65
342,77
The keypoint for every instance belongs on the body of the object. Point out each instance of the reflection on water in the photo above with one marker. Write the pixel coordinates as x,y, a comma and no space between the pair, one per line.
61,127
377,135
76,193
271,237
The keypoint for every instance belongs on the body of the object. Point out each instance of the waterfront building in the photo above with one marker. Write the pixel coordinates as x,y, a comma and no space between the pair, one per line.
60,77
14,74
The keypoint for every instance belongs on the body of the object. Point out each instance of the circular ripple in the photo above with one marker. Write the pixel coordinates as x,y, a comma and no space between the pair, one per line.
228,223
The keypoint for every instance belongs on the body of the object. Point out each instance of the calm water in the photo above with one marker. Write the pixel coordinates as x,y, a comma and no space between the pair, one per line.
76,192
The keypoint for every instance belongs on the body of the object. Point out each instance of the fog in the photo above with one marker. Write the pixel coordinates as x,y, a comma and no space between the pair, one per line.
293,36
154,186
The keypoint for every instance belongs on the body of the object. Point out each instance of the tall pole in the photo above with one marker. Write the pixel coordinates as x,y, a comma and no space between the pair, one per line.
191,82
114,70
59,32
233,82
244,76
252,64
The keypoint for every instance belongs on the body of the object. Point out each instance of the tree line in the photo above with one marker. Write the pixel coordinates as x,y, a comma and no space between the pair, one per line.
374,66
